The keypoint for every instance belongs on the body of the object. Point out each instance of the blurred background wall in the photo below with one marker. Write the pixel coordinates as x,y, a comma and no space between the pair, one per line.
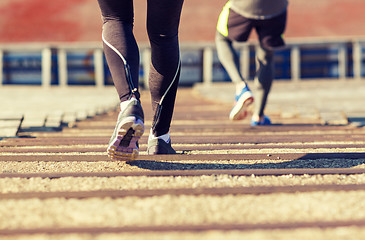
79,20
59,42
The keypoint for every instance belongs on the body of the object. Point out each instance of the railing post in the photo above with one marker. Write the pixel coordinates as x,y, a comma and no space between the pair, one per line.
99,67
295,63
146,62
342,61
207,65
245,61
357,59
46,67
1,67
62,67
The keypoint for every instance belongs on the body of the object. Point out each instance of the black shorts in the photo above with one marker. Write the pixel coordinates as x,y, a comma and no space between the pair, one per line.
238,28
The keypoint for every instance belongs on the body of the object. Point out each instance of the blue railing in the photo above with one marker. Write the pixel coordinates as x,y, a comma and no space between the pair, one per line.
85,64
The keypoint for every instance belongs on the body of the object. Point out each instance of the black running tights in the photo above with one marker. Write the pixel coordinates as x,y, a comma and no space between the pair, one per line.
122,54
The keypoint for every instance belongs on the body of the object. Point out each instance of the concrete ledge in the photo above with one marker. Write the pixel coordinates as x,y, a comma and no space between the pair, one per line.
55,107
333,101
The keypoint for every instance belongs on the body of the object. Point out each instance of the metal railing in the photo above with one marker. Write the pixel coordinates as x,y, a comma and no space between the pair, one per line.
346,50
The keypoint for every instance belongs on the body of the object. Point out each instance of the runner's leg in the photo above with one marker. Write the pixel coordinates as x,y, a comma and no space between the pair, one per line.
120,47
122,55
270,33
263,79
163,17
231,27
228,57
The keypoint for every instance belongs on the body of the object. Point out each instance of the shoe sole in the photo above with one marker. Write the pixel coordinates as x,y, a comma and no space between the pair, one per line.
124,145
239,111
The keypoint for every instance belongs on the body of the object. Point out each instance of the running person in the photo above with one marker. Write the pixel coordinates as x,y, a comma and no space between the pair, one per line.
235,23
122,55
